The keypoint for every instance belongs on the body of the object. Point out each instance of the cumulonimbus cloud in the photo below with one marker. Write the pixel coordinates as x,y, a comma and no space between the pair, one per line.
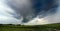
30,12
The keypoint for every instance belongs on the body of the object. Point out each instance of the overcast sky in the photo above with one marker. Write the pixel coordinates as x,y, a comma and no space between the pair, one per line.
7,18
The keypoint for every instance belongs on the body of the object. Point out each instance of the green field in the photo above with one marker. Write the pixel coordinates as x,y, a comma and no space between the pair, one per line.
48,27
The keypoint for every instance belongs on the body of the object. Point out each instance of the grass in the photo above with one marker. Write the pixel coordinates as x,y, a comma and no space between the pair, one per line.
9,27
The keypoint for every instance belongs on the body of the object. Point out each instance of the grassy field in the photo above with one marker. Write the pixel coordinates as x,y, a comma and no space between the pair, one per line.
48,27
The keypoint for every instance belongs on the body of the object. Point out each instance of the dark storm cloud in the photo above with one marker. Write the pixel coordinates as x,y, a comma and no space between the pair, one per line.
43,8
24,8
30,10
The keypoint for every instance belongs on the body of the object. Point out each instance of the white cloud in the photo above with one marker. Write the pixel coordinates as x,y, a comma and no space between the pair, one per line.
5,16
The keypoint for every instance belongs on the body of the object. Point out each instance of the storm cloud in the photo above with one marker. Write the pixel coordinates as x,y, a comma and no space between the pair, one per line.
29,12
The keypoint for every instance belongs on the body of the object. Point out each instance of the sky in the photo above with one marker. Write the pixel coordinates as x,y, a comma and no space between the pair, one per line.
14,12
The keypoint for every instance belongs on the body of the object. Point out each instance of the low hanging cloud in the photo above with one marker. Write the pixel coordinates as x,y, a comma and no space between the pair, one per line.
15,11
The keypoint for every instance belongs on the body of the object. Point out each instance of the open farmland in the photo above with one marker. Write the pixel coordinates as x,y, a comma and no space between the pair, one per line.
48,27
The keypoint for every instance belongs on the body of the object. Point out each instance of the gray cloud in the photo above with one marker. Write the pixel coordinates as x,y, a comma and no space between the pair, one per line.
20,11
